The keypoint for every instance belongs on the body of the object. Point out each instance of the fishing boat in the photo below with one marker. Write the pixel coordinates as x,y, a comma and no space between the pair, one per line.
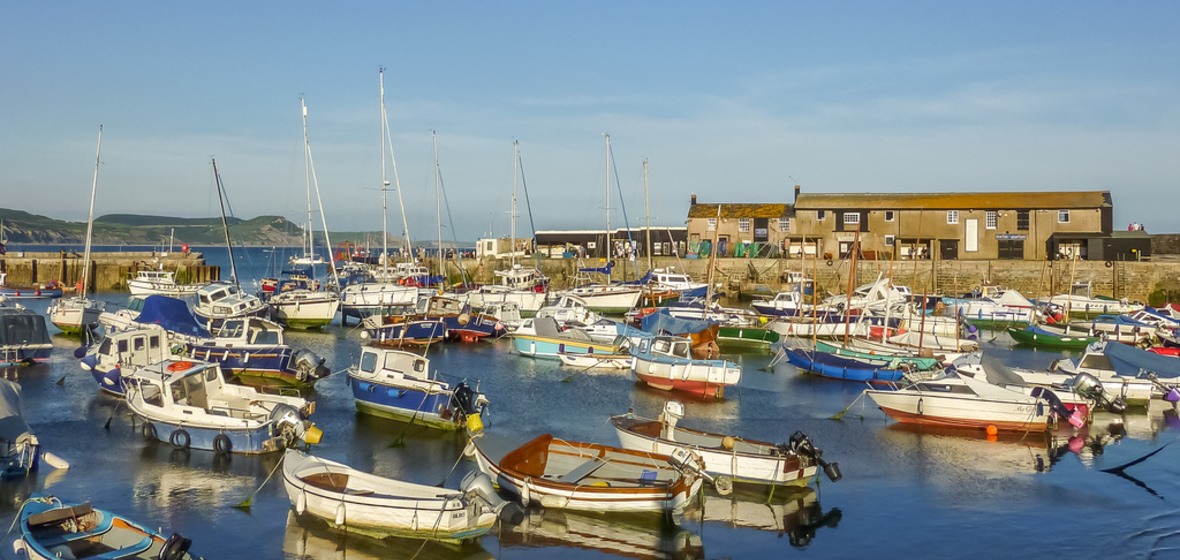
53,530
605,298
668,279
735,458
50,289
256,348
541,337
189,405
360,502
20,450
665,362
24,339
295,305
462,323
994,308
399,326
951,399
1081,301
505,312
160,282
560,474
400,385
783,304
1051,337
124,351
524,287
77,313
569,309
844,367
1117,328
220,301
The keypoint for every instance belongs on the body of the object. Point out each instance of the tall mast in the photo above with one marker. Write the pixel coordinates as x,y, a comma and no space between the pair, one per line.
384,184
320,202
233,267
90,220
393,160
437,201
609,245
515,168
307,171
647,216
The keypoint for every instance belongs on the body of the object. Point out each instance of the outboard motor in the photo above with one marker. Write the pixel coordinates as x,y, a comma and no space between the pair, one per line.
479,484
463,399
291,425
1090,387
308,366
802,445
673,412
684,460
175,547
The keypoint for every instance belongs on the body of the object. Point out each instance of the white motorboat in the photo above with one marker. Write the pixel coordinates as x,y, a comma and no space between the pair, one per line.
665,362
160,282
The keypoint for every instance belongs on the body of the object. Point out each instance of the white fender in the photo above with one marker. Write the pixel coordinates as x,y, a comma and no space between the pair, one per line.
18,546
340,514
525,492
301,503
55,461
414,522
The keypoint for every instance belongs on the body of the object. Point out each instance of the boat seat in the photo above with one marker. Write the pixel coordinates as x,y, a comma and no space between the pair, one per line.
103,526
582,471
58,514
128,552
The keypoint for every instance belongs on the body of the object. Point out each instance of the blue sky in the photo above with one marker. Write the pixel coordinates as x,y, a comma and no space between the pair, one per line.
736,102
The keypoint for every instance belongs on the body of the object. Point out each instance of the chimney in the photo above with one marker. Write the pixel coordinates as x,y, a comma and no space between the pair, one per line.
694,200
796,193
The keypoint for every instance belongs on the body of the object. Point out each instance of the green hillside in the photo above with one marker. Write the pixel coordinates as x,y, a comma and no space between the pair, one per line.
128,229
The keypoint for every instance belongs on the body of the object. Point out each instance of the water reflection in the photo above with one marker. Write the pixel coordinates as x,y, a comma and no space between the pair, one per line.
307,538
791,511
956,453
170,479
642,536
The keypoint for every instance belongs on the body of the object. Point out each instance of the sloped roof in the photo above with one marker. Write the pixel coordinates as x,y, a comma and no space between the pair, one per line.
955,201
740,210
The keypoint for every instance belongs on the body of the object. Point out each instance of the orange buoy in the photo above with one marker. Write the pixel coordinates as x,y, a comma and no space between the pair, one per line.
991,430
178,366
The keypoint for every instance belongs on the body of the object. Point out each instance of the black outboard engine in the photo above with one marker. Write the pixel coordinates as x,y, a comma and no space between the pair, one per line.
463,400
802,446
308,366
479,484
175,547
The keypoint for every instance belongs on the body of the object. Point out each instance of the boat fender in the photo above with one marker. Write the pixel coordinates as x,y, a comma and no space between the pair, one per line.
180,439
919,406
18,546
1109,264
340,515
525,493
149,432
175,547
301,503
222,445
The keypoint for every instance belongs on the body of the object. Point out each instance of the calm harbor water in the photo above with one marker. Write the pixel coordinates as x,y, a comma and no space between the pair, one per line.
906,493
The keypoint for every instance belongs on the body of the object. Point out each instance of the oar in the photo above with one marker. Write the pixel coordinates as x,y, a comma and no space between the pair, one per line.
245,505
840,415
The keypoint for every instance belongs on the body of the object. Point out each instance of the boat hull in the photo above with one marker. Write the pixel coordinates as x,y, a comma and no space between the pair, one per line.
844,369
939,410
404,404
552,348
707,378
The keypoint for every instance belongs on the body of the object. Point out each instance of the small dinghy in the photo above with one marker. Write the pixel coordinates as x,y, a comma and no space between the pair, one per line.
737,459
52,530
189,405
585,476
365,503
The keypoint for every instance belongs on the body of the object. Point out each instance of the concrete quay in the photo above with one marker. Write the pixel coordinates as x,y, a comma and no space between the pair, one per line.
109,272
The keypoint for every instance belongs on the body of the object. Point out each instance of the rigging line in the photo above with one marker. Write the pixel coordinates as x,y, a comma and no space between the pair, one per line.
626,223
454,236
529,205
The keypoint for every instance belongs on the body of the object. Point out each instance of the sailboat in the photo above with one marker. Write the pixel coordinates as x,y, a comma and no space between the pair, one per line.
362,299
525,287
225,300
294,303
73,314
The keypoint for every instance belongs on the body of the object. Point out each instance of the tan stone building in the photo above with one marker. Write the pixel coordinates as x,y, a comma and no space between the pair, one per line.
1017,225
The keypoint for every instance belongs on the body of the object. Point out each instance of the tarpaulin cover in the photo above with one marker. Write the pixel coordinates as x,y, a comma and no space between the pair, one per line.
172,314
19,326
1133,362
12,420
662,320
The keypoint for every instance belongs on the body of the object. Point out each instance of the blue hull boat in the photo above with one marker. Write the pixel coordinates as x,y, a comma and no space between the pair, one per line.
842,368
52,530
398,385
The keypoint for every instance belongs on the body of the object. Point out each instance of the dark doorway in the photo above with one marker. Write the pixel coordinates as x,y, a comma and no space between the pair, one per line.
948,249
1011,249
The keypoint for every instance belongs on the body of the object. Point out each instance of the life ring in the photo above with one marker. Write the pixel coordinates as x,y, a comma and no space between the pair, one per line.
222,445
829,262
1109,264
180,439
178,366
149,432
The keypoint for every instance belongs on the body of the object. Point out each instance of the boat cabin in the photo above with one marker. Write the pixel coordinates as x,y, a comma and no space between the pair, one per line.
139,348
384,365
671,346
156,276
225,300
519,278
253,331
436,306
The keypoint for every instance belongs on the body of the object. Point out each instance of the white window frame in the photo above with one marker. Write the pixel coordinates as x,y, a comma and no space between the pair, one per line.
890,215
952,216
889,240
784,225
991,219
821,215
1063,216
744,225
710,224
852,218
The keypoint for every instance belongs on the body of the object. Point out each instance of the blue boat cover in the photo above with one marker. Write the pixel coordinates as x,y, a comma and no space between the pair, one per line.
662,320
603,270
1133,362
642,281
172,314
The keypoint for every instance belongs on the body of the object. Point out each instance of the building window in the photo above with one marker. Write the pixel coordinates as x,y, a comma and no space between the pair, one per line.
710,224
1022,220
655,249
1063,216
744,225
821,215
952,216
888,240
852,217
992,218
890,215
784,225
